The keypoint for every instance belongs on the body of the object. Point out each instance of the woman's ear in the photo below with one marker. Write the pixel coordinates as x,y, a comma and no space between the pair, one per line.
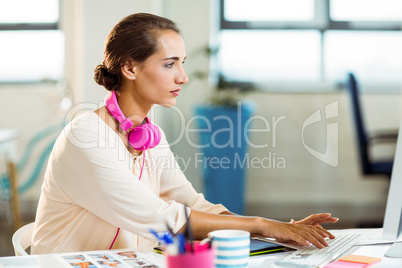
129,69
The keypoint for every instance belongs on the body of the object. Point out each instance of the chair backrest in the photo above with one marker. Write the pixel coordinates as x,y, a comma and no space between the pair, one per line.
358,119
22,239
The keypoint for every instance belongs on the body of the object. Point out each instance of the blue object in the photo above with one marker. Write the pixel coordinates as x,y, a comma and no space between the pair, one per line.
164,237
167,238
182,243
224,153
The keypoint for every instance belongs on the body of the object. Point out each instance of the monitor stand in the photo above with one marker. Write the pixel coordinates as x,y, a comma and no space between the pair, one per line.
395,250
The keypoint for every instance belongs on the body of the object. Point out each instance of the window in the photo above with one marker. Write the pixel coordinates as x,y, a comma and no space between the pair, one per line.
32,46
315,42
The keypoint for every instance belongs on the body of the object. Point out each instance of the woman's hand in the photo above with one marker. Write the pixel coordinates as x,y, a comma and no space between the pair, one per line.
316,220
303,232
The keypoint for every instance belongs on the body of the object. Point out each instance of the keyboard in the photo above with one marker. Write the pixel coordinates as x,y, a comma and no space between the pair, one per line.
316,257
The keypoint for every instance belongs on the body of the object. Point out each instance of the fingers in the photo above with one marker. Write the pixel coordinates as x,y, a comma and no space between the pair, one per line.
325,218
319,218
306,234
314,236
300,240
301,233
331,236
306,238
316,220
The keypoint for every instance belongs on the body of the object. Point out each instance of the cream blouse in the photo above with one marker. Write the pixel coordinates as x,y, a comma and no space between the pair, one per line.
91,188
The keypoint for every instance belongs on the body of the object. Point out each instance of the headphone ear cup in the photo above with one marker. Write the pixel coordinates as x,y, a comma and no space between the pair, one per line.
144,137
156,133
140,138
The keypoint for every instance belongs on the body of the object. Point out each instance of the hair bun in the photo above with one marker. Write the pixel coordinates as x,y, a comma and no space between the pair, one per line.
104,78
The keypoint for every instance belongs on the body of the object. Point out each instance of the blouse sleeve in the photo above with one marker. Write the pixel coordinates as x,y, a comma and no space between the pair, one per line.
93,173
175,186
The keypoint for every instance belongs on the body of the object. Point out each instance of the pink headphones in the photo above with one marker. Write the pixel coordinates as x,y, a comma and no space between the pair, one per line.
141,137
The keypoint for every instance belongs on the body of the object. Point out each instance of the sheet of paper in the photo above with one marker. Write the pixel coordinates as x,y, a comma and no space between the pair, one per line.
99,259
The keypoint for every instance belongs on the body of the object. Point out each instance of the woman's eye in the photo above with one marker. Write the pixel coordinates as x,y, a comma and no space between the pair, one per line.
169,65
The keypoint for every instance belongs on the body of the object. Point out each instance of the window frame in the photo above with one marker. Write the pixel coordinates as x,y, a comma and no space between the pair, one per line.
322,22
30,26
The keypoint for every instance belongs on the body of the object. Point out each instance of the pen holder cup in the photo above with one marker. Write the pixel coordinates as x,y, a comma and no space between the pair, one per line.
202,257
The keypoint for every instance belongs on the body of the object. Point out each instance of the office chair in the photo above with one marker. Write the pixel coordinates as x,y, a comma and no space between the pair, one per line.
364,141
22,239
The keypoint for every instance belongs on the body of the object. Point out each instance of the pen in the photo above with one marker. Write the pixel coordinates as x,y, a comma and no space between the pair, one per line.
165,238
182,243
172,245
152,231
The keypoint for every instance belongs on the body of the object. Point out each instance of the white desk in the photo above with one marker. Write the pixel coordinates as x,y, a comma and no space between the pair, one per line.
52,260
372,251
55,261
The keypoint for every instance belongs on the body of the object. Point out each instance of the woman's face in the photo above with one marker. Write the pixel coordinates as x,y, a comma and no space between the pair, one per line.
159,79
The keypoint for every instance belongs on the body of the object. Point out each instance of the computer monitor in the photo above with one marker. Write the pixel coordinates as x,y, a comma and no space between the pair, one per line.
393,213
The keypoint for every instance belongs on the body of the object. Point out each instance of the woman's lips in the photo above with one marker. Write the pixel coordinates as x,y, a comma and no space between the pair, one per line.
175,92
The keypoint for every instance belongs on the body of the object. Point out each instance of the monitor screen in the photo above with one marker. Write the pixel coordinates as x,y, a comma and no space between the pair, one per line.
393,212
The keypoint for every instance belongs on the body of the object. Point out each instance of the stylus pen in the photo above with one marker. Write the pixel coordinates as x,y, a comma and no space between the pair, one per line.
188,231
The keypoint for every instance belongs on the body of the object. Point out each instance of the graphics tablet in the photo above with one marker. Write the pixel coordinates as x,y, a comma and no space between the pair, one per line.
289,245
258,247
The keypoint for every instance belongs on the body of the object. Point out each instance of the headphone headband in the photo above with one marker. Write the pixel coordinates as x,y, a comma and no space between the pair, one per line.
142,137
113,107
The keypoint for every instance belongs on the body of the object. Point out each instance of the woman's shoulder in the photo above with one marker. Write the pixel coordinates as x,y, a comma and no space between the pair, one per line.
86,121
88,117
85,129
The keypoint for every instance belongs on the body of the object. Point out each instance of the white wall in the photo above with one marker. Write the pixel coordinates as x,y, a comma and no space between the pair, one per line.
304,183
87,24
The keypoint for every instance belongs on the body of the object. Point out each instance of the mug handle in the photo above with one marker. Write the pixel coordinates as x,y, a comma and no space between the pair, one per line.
207,240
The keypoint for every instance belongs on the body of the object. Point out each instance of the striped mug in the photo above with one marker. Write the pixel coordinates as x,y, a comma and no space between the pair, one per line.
231,247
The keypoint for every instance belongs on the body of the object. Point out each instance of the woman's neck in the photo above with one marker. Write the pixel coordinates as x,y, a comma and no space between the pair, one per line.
132,108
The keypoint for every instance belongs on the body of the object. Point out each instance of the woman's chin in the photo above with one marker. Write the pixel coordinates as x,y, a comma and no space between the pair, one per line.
168,105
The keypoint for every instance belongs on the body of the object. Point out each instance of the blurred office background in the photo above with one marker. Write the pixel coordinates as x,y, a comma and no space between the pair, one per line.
297,54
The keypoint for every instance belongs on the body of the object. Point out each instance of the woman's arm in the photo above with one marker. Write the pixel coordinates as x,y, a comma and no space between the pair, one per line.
303,233
174,184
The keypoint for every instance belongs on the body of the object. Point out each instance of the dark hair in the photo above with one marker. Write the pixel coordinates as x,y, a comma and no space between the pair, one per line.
134,37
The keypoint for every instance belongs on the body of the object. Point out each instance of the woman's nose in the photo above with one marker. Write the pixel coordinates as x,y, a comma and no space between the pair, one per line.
182,78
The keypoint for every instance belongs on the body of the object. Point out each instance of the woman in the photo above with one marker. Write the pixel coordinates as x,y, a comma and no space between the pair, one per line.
99,190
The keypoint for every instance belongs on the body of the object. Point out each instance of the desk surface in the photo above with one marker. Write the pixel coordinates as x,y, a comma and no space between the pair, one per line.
378,250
